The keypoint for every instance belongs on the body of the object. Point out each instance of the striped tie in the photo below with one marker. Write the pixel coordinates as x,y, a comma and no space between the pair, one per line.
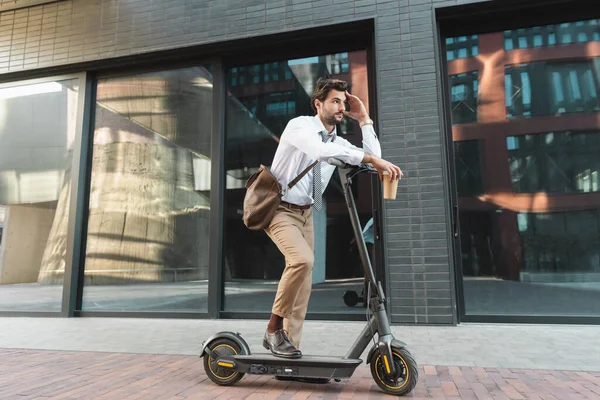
317,183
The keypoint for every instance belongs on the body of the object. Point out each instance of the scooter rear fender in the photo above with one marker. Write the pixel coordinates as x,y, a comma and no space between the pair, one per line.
236,337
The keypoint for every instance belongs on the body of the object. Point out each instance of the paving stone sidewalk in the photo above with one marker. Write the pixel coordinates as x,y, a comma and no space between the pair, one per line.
562,347
44,374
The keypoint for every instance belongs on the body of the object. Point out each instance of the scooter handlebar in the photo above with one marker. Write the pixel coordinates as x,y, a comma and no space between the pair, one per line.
339,163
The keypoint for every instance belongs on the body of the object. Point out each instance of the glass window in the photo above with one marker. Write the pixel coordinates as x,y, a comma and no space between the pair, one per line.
464,97
462,47
555,162
529,190
468,168
518,91
522,42
148,233
579,32
573,87
339,63
233,77
562,242
37,132
544,88
252,263
255,73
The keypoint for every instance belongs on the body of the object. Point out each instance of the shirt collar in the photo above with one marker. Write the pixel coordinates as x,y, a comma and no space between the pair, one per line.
320,127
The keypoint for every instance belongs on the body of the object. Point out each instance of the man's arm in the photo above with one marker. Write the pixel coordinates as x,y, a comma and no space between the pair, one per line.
382,165
369,141
300,133
359,112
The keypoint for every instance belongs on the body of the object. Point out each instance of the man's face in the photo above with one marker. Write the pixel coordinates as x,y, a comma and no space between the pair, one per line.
332,109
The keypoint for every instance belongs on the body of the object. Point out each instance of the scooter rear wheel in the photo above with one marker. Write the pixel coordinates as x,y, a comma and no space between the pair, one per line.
405,363
219,374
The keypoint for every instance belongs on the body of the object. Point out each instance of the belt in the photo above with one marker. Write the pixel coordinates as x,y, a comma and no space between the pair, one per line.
295,206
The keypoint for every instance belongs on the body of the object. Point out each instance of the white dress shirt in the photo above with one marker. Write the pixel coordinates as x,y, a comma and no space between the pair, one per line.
301,144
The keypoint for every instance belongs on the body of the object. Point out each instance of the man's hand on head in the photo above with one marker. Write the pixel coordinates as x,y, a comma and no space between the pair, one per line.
357,111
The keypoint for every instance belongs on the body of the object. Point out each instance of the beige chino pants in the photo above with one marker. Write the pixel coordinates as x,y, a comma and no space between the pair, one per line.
292,231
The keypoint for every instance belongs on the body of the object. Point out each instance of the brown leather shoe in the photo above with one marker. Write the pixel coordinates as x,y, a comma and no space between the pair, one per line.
280,345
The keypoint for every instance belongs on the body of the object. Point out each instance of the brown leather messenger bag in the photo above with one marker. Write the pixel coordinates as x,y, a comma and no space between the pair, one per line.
263,196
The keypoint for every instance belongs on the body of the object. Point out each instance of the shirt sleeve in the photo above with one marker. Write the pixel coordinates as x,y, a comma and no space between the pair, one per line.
300,133
370,142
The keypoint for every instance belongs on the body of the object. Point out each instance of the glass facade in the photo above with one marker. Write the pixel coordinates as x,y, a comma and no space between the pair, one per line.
551,88
527,149
463,94
37,133
261,100
147,226
552,35
525,109
148,233
555,162
462,47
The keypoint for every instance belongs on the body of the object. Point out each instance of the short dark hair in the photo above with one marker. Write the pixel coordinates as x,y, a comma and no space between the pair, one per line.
323,87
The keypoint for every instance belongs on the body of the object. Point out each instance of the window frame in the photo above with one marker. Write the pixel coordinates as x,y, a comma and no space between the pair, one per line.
78,177
465,78
357,34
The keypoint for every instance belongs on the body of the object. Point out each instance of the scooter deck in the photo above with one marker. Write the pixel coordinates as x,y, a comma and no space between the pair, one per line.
306,366
304,361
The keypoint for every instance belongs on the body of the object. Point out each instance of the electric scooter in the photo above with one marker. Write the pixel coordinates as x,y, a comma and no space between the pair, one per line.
227,356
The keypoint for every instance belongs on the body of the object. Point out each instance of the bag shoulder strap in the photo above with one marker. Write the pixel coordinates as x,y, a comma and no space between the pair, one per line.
293,183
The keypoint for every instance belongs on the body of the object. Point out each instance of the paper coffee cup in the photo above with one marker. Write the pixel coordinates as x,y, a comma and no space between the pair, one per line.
390,187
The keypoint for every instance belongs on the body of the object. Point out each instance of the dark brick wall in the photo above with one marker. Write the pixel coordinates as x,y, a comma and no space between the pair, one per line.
417,239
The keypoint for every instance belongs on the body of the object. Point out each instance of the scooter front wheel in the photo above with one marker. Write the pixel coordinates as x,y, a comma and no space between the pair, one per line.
404,363
219,374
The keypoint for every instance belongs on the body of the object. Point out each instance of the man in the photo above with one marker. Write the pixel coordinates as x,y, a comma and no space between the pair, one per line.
304,140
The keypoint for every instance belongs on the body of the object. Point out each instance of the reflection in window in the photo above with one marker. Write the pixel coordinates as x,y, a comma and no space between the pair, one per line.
270,107
338,63
574,88
556,162
260,73
544,88
2,217
551,35
529,242
468,168
37,132
463,93
479,254
517,87
462,47
561,242
148,232
256,116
